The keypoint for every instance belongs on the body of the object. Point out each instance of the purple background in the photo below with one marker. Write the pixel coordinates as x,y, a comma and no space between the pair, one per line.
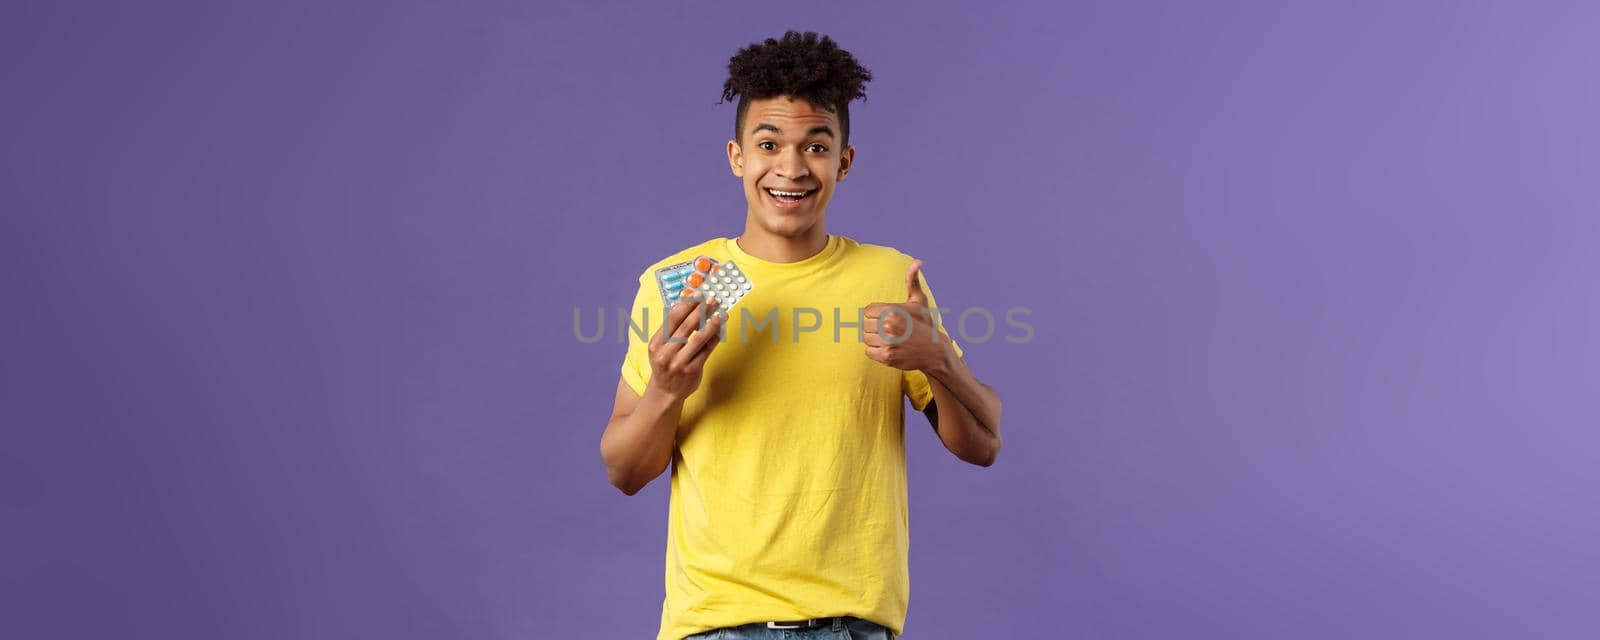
288,346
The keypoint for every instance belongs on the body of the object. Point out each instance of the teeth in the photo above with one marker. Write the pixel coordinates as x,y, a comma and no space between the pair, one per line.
791,194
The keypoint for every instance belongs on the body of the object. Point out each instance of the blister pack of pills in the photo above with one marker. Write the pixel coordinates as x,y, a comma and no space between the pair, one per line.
702,276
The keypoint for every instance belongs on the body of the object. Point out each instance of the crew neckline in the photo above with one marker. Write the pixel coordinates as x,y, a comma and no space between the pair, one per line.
745,259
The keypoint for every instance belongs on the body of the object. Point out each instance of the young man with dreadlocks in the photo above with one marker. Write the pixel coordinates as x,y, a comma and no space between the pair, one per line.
788,505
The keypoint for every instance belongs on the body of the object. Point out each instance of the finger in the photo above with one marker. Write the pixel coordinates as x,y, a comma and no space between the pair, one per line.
675,317
700,345
874,340
678,333
702,340
692,320
698,362
893,319
669,321
659,337
914,284
875,309
880,354
889,326
667,353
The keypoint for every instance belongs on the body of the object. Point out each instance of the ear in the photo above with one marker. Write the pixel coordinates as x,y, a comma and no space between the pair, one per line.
847,158
736,158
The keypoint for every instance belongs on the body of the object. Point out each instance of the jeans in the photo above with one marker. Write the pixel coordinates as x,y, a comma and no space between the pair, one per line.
851,629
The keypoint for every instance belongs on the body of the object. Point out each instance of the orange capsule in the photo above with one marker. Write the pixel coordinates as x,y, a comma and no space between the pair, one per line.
686,294
696,279
702,264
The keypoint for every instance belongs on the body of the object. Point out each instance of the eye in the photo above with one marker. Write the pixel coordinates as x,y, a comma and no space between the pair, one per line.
819,148
765,144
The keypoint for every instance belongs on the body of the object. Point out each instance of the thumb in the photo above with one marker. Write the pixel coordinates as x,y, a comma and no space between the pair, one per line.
914,284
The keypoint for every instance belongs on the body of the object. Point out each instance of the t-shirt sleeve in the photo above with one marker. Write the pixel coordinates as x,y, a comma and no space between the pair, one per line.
915,383
644,319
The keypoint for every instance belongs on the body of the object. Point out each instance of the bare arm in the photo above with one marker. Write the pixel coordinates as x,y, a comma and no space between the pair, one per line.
964,412
969,425
638,441
639,438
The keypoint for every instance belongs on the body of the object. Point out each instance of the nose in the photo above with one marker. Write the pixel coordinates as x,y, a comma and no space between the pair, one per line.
792,166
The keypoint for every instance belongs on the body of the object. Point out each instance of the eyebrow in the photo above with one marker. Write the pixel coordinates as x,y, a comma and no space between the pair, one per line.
821,128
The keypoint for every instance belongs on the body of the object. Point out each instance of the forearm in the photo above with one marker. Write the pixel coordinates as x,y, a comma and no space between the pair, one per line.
968,411
637,446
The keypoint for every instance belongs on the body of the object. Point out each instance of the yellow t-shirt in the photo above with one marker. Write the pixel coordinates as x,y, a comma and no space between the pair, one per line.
788,496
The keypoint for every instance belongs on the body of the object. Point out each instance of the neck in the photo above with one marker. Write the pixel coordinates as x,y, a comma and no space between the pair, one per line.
771,247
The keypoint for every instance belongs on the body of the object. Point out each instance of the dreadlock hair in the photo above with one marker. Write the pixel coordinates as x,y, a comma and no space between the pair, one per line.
799,66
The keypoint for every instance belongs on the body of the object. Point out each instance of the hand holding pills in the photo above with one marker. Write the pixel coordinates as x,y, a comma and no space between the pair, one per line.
693,291
678,352
902,335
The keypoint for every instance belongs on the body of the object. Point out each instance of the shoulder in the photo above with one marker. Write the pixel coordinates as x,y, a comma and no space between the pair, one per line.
875,253
712,247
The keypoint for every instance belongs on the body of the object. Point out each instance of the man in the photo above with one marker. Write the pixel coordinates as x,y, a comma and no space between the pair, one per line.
785,435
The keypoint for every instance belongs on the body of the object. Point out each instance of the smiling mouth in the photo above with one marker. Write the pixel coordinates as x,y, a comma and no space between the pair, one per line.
788,199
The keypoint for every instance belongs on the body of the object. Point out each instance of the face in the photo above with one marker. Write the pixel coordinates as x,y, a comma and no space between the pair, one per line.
789,145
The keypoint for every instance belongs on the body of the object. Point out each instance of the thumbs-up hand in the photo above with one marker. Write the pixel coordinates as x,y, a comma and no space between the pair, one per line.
914,294
902,335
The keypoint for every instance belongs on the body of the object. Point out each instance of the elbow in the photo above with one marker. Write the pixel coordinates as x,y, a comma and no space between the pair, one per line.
988,455
977,450
627,479
622,483
995,440
627,489
617,475
627,483
990,450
